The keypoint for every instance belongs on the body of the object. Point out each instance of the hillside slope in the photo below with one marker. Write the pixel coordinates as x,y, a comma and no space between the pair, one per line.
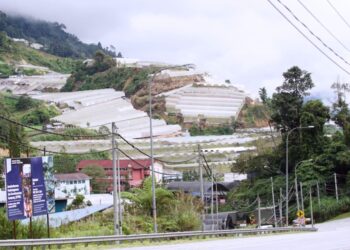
13,54
52,36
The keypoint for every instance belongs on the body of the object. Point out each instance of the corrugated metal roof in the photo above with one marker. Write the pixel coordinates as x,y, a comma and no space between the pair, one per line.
109,163
71,176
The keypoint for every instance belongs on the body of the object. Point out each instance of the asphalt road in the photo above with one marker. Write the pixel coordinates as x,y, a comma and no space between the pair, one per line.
331,235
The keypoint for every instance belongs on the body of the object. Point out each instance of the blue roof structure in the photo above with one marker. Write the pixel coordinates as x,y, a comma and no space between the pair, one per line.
61,218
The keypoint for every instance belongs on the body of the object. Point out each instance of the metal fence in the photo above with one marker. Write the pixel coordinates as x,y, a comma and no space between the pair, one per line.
43,243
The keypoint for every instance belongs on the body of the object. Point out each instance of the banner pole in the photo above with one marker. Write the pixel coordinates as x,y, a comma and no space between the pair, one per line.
47,214
30,228
30,218
14,229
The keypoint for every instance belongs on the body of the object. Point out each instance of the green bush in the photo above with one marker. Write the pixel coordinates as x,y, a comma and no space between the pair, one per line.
330,208
24,103
22,230
40,115
214,130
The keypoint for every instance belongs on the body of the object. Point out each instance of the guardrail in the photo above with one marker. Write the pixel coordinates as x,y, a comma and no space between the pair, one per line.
141,237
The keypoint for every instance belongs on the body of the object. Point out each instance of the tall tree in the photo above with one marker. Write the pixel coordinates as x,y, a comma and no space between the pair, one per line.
96,173
340,109
263,95
288,101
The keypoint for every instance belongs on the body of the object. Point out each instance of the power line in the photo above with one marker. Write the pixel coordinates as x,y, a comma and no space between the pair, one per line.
329,32
51,152
312,33
144,153
307,38
138,163
338,13
52,133
91,136
91,152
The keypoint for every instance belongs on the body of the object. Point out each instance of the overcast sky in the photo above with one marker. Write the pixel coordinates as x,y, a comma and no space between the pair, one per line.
246,41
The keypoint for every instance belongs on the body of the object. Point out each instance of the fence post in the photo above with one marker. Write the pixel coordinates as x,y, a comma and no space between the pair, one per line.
280,208
318,195
273,203
259,213
311,210
302,196
336,187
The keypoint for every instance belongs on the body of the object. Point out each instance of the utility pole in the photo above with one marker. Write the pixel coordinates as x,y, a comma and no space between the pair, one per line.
154,202
201,182
200,173
273,203
119,188
212,201
280,207
311,211
302,196
336,187
217,208
318,195
259,213
115,183
296,192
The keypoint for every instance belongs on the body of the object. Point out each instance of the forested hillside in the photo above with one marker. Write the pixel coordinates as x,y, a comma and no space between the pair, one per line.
12,53
53,36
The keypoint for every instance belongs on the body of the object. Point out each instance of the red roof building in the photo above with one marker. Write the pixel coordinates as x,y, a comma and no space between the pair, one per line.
131,173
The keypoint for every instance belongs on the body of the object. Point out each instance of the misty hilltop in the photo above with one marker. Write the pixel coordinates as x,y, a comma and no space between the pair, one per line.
51,37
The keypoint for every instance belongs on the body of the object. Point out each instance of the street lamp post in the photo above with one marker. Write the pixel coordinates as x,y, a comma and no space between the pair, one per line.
287,191
154,203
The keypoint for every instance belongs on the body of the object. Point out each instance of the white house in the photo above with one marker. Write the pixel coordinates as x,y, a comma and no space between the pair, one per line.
73,183
230,177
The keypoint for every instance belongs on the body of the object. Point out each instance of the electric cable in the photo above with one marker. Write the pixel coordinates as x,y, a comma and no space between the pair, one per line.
5,139
158,159
312,33
52,133
324,26
338,13
307,38
138,163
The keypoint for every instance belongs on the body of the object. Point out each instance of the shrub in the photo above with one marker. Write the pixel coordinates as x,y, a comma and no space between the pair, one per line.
330,208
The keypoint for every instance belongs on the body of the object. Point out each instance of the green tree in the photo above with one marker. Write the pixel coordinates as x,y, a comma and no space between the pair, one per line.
102,62
312,141
96,173
24,103
77,203
340,110
286,107
288,101
263,95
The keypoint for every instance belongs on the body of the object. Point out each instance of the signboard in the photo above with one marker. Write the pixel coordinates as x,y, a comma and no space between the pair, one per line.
300,213
25,188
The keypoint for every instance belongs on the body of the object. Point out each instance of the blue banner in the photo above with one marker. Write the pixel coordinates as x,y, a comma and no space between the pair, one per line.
25,188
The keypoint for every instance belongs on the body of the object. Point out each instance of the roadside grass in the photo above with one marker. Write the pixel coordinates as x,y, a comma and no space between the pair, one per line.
149,243
341,216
